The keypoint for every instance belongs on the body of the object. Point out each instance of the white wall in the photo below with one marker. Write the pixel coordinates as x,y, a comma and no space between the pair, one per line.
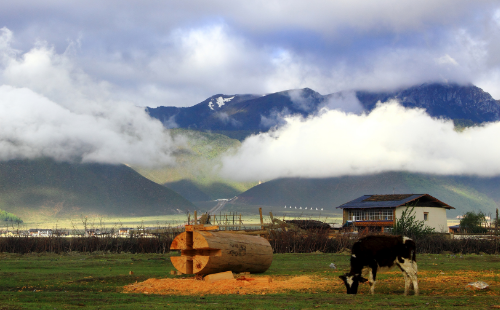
436,218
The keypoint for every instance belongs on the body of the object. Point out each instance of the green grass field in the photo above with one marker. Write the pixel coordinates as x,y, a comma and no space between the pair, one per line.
96,281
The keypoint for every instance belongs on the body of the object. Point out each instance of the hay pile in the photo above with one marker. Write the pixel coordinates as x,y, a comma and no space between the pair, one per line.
242,285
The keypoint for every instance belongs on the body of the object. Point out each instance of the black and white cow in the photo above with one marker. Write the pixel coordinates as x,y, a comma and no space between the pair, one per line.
371,253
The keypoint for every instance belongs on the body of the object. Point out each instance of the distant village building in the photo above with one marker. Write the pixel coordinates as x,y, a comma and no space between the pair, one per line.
92,232
378,212
125,231
38,232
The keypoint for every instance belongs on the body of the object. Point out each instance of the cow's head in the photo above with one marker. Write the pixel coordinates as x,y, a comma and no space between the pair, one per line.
352,281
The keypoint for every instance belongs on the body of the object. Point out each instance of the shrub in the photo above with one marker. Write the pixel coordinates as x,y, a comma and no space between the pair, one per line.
472,222
437,244
408,226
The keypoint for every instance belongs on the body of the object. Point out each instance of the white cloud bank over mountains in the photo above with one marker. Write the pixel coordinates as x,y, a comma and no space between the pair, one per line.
62,105
390,138
50,108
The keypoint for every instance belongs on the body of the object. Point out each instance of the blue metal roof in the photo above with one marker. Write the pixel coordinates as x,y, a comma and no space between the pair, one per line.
371,201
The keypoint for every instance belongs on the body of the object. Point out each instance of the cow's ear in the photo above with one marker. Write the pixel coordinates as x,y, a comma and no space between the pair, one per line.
362,280
343,277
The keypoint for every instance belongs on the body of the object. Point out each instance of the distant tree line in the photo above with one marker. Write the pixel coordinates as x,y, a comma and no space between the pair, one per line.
9,217
474,223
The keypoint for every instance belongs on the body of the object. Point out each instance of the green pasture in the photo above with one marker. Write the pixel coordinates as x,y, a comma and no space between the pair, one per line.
95,281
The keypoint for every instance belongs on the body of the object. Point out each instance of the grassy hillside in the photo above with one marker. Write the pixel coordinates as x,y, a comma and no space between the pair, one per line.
195,175
9,217
331,192
39,188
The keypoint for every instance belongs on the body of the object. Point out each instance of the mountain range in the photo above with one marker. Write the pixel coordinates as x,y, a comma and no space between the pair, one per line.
467,105
43,187
241,115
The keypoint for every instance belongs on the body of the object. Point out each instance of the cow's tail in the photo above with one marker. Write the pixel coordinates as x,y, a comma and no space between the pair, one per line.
413,252
412,249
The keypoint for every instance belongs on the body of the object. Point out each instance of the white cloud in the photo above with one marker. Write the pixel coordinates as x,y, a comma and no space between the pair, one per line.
180,53
50,108
275,118
302,100
390,138
322,16
496,17
345,102
334,16
447,60
489,82
194,64
201,62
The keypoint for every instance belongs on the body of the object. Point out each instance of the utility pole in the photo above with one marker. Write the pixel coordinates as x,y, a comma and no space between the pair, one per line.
496,231
496,224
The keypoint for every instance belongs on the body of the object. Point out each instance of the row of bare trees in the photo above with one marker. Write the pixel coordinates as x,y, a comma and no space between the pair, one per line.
313,241
23,245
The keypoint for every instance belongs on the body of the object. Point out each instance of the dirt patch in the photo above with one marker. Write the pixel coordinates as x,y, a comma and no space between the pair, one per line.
431,283
441,283
242,286
454,283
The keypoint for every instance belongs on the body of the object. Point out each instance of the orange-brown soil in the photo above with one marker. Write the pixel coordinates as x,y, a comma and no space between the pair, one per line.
431,283
242,285
454,283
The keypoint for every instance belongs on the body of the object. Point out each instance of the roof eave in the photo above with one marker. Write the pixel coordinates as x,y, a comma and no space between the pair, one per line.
443,205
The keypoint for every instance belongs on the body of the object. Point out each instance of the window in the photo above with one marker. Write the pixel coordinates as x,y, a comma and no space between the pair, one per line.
426,216
370,215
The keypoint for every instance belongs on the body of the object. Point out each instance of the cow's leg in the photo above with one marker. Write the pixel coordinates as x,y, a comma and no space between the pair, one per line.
414,278
409,269
372,278
407,282
407,278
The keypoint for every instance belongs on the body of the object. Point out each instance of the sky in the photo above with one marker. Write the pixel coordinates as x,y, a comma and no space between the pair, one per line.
75,76
178,53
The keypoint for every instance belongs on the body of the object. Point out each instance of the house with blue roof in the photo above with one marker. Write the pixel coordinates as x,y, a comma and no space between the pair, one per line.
378,212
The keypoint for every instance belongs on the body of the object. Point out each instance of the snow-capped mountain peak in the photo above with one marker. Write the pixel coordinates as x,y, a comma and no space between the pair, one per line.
220,101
